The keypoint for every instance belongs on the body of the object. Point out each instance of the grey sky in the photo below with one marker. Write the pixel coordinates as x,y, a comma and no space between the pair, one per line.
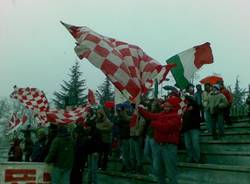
37,51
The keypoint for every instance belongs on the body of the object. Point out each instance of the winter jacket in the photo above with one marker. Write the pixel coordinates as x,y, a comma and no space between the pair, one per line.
166,125
94,136
191,117
217,101
15,153
205,95
123,123
105,128
61,152
39,151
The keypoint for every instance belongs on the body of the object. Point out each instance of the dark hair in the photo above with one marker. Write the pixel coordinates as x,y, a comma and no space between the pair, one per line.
207,84
189,85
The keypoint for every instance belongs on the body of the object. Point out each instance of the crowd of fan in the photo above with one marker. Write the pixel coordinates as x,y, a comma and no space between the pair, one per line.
109,134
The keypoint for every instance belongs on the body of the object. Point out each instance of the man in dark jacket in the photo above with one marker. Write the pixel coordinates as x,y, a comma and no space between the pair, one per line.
104,126
61,155
191,127
15,153
39,148
94,146
167,126
123,123
80,135
198,99
28,142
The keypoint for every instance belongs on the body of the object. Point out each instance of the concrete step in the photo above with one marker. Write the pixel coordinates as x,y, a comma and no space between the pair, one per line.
225,145
223,157
112,176
195,173
214,174
240,119
229,135
124,178
241,126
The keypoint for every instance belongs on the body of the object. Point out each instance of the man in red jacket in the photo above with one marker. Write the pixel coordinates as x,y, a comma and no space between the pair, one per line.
167,126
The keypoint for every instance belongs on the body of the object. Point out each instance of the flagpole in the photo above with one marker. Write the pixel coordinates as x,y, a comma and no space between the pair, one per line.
156,91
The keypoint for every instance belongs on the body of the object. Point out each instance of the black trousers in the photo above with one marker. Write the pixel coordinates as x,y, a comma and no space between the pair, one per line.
226,113
104,156
76,176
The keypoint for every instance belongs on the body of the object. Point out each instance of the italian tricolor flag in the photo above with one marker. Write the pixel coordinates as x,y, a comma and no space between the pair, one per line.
188,62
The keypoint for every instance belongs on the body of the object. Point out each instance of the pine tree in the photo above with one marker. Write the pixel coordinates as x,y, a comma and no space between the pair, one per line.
238,94
105,92
5,108
72,92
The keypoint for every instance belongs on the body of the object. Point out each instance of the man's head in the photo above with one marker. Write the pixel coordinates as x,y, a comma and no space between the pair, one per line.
221,84
190,89
198,87
101,114
41,134
216,88
172,103
207,87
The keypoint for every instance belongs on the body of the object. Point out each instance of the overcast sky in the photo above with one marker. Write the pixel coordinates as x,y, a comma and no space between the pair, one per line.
37,51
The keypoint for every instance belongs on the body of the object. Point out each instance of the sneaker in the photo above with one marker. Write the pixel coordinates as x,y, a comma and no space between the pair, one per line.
152,176
206,131
138,169
188,160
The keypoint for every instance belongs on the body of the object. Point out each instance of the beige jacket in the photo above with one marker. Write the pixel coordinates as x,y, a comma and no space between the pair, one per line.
216,102
204,99
105,128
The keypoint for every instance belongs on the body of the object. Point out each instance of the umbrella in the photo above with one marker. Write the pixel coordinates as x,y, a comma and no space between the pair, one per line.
212,79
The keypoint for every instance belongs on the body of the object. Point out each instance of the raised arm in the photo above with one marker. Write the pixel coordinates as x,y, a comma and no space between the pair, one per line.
147,115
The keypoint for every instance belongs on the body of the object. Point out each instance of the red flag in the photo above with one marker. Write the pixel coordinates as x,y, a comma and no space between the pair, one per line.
91,98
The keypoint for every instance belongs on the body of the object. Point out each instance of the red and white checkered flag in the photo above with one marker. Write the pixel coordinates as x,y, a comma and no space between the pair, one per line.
15,122
129,68
74,115
36,101
31,98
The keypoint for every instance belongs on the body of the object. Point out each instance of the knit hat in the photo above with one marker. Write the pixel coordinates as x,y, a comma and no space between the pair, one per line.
173,100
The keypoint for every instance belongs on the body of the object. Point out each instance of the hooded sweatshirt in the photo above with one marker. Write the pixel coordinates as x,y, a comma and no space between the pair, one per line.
166,125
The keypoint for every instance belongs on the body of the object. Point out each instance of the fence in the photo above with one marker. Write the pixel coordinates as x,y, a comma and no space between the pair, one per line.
240,111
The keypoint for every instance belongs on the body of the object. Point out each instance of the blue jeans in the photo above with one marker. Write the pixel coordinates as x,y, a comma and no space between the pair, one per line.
135,150
150,153
217,122
208,121
92,163
60,175
192,144
165,160
125,153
